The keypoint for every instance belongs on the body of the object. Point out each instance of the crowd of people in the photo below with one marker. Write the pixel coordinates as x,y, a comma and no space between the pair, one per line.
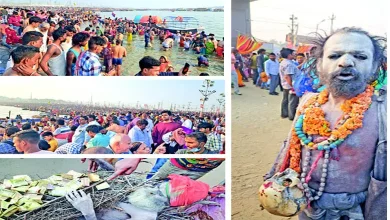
116,133
335,94
52,43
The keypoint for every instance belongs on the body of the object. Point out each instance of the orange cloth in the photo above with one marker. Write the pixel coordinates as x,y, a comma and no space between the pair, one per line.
264,77
240,82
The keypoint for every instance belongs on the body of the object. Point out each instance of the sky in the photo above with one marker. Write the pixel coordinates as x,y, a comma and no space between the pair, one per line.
270,19
125,90
132,3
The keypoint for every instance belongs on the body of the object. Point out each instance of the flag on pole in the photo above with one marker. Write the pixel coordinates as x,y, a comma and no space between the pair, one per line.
113,14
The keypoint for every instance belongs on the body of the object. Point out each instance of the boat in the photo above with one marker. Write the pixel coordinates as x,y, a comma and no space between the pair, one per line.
176,24
26,109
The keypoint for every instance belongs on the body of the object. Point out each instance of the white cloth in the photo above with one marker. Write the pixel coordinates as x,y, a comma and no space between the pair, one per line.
43,48
79,135
66,46
10,63
187,123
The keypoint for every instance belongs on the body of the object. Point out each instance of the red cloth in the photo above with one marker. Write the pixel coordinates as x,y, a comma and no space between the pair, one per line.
12,37
70,136
220,51
63,136
185,191
15,20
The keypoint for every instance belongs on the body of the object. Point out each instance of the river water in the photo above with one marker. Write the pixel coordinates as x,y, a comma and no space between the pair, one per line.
4,111
211,21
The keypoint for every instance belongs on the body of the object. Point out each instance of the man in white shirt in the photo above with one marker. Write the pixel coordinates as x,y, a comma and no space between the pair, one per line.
139,133
187,122
272,71
150,126
79,136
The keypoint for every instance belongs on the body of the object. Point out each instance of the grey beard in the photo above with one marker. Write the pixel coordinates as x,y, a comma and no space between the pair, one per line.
347,89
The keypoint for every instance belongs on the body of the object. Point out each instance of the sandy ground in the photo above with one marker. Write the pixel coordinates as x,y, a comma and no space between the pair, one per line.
43,168
258,132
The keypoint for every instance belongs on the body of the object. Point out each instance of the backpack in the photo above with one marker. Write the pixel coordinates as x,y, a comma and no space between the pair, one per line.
302,84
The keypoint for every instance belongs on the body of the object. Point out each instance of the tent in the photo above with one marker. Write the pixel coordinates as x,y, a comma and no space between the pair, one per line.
246,45
155,19
137,18
304,49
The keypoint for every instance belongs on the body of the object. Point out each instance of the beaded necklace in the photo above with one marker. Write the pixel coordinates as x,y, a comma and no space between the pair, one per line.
311,121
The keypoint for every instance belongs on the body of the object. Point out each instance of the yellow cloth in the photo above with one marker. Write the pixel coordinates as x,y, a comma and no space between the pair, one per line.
53,145
129,37
253,62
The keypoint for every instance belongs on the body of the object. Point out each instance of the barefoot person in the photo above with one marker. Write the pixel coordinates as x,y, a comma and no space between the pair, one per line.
118,52
338,140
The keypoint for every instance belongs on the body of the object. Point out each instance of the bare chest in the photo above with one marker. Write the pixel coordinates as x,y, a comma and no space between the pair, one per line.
351,173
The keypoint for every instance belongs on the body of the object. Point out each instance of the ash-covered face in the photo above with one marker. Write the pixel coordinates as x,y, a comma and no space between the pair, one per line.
347,64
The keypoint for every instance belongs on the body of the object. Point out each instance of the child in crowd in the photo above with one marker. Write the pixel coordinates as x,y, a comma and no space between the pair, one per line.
48,136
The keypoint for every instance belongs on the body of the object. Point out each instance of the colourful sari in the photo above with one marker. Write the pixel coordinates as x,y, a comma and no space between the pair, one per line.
210,48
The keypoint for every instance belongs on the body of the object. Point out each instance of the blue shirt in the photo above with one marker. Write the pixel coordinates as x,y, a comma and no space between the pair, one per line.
272,67
6,148
137,135
202,59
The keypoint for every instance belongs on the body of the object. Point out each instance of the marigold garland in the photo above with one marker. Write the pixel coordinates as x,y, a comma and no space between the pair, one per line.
312,121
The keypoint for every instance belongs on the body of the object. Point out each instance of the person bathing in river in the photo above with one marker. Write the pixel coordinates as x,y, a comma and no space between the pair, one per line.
168,43
164,63
118,53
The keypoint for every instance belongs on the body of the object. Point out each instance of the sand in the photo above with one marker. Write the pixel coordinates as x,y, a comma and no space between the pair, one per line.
43,168
258,132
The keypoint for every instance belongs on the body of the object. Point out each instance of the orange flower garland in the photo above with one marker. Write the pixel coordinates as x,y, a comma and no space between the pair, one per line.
314,123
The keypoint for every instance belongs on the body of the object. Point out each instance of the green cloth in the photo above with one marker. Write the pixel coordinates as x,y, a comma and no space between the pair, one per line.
100,140
210,48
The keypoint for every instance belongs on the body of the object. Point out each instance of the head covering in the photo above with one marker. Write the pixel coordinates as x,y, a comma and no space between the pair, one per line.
186,130
166,59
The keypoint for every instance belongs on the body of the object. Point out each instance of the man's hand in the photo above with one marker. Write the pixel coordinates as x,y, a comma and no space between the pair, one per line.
26,71
82,202
160,149
92,165
125,167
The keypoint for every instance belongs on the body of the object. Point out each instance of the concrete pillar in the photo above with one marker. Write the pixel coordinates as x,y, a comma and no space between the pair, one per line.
241,17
